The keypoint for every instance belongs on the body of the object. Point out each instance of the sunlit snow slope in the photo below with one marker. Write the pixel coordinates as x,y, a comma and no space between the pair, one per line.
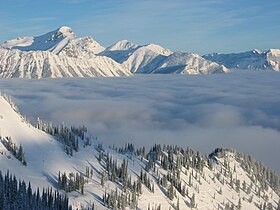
56,54
215,186
153,58
252,60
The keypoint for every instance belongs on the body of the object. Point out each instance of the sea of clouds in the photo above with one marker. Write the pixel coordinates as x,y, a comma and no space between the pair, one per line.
239,110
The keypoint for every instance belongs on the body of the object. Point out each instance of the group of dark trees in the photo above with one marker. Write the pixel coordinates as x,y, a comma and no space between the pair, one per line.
16,151
120,200
257,172
147,181
176,160
71,182
16,194
118,173
70,136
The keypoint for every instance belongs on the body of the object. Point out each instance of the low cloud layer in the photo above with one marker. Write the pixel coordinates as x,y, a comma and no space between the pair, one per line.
238,110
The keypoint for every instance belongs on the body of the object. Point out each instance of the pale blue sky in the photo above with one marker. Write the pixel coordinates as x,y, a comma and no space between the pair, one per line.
181,25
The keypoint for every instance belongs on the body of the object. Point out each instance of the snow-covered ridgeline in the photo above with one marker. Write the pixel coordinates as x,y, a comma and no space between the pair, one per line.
175,177
153,58
40,64
60,53
252,60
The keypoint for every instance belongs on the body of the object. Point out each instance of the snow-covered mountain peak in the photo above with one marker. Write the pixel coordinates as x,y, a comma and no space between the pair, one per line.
253,60
85,47
153,58
58,53
53,41
40,64
189,63
66,31
122,45
63,32
158,49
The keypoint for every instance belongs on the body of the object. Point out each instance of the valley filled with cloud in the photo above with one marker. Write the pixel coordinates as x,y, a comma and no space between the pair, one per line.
238,110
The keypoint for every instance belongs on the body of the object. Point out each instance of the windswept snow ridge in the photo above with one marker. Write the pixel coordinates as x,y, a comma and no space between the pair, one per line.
153,58
56,54
252,60
60,53
53,41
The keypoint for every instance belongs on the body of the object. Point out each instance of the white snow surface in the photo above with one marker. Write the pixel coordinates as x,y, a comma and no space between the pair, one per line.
189,63
153,58
85,47
122,46
37,58
39,64
130,57
252,60
45,157
56,54
53,41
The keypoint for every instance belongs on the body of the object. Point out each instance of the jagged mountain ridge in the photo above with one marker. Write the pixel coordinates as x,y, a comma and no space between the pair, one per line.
40,64
60,40
53,41
80,57
153,58
252,60
214,181
58,53
75,57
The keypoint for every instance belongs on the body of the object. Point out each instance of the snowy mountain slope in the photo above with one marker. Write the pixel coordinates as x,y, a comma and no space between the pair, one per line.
53,41
40,64
153,58
85,47
120,51
252,60
188,63
135,57
44,154
60,41
171,177
56,54
144,56
126,57
60,53
122,45
34,143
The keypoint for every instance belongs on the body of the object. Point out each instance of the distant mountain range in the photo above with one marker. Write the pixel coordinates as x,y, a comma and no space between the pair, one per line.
56,54
252,60
60,53
153,58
